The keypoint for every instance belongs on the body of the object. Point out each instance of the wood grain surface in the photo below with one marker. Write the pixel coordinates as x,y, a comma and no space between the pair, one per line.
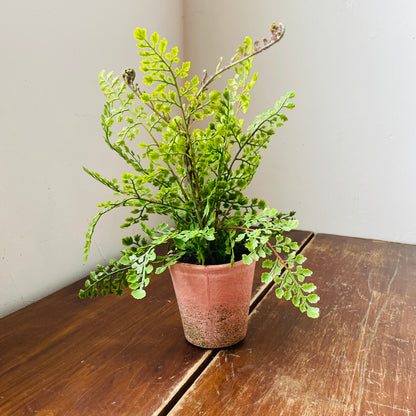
358,358
106,356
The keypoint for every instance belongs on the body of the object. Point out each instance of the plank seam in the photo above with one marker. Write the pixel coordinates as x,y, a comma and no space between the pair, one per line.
187,384
165,410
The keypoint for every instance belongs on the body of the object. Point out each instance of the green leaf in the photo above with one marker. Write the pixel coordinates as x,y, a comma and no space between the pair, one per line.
296,301
300,259
241,183
195,80
288,294
162,45
151,255
254,256
174,51
154,38
148,80
268,264
214,96
247,259
312,312
279,292
239,237
262,204
179,243
252,244
140,34
138,293
313,298
127,241
145,97
308,287
134,285
149,269
266,277
132,278
153,156
161,269
172,95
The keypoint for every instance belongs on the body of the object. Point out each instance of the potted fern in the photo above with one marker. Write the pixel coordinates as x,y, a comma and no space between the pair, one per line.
190,165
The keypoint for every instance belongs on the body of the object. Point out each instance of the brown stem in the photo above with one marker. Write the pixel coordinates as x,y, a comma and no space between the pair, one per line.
218,221
275,38
278,256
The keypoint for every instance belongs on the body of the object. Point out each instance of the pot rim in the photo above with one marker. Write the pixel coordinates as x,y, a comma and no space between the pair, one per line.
222,266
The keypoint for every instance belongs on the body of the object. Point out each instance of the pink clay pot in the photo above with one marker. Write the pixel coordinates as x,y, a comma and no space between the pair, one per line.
213,302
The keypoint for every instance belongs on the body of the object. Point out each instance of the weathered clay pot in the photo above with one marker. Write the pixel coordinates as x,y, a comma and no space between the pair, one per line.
213,302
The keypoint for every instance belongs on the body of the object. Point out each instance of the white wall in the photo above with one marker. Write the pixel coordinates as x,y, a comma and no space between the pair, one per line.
51,52
345,161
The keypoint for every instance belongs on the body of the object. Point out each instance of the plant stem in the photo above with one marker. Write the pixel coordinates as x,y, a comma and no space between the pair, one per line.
239,61
150,201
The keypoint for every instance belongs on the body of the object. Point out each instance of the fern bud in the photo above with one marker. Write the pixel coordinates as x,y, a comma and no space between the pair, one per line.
129,75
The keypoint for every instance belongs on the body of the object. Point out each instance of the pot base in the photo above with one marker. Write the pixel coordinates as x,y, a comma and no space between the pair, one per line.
216,329
213,302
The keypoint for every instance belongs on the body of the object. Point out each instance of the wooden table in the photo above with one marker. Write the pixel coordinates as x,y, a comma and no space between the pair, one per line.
118,356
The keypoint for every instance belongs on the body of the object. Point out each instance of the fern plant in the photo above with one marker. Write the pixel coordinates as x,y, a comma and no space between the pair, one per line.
190,164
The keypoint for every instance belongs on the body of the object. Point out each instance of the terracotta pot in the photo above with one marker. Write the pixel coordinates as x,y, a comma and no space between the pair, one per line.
213,302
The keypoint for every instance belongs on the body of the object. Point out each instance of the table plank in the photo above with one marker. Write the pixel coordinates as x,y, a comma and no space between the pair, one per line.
358,358
114,355
65,356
